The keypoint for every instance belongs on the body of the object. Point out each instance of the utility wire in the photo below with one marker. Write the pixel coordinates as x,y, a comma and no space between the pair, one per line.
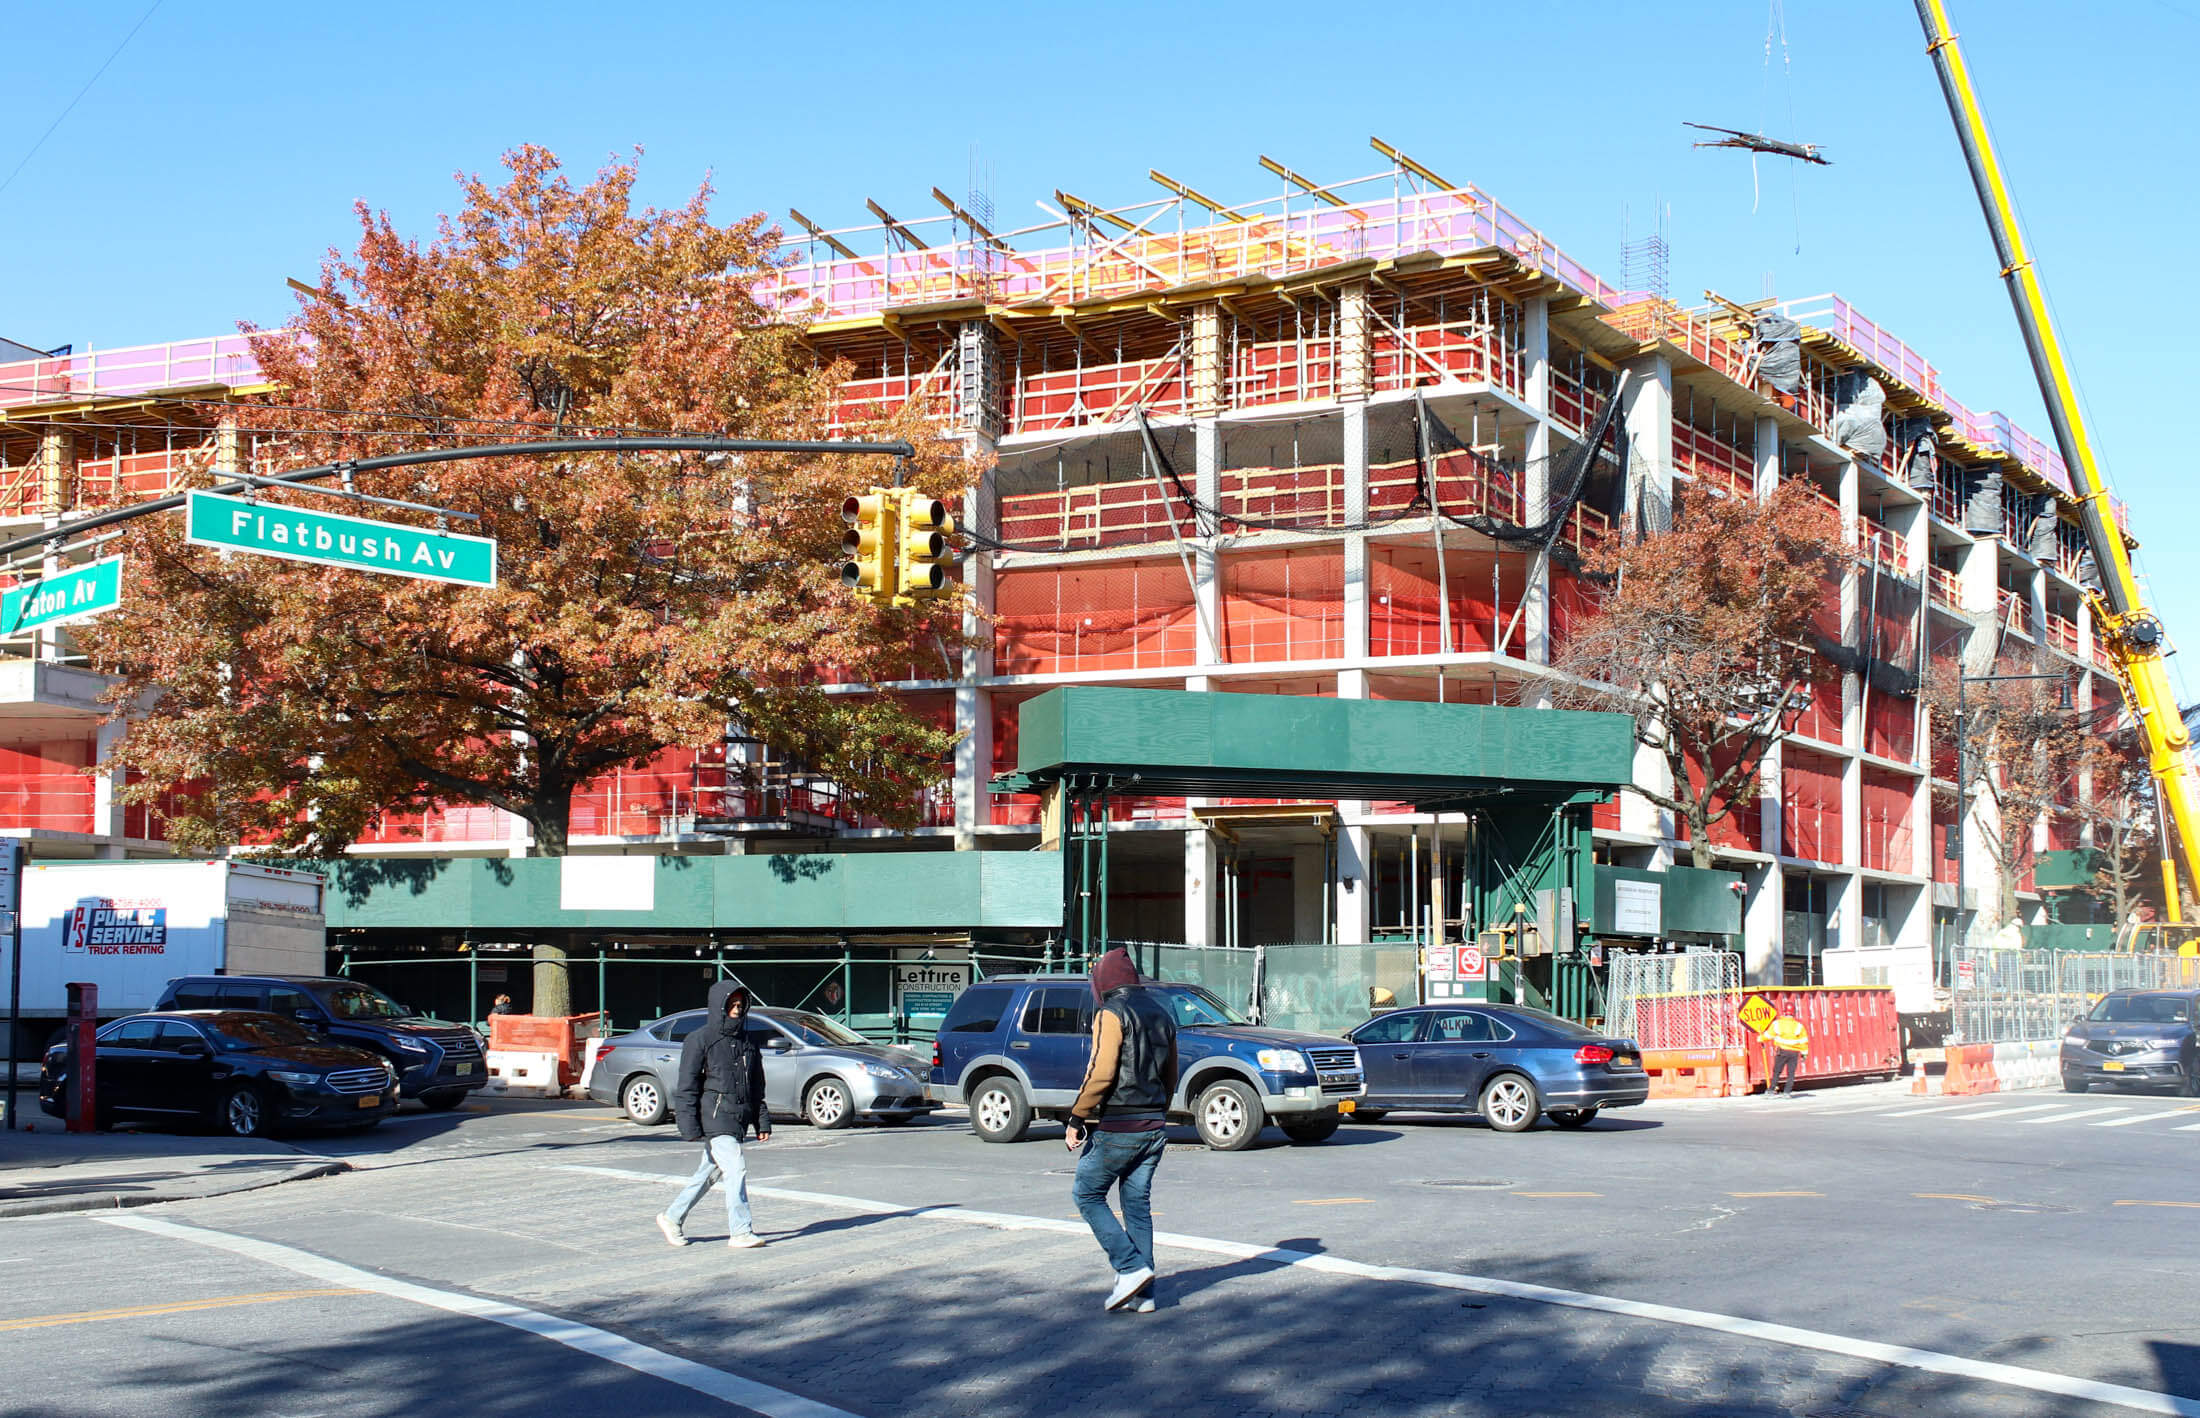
71,108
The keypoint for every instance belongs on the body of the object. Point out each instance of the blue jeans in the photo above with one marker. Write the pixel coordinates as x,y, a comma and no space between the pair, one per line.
1128,1159
721,1158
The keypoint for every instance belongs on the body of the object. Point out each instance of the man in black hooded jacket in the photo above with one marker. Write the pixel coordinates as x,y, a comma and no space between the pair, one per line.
720,1096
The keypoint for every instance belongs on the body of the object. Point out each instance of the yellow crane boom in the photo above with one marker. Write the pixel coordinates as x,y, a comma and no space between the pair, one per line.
2130,632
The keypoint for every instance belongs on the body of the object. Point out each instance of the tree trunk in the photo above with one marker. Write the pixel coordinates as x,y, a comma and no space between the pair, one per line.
551,817
1699,839
553,982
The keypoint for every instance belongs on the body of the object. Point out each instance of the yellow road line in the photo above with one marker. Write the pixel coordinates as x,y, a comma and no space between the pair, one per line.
1558,1193
1330,1201
1949,1196
1747,1194
2194,1205
178,1307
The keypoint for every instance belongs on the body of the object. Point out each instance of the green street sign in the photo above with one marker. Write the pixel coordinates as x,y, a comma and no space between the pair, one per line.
331,539
77,594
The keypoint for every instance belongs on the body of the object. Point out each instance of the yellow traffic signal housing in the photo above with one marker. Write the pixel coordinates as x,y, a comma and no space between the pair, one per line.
925,526
867,547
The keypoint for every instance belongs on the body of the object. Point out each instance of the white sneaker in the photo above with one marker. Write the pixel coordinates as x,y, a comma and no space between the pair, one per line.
748,1242
672,1232
1127,1286
1144,1305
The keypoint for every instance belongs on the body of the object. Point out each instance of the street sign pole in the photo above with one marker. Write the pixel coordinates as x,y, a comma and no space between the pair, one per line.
12,850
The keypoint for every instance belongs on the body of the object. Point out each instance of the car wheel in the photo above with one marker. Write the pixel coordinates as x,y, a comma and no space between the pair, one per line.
644,1100
1367,1115
243,1112
1229,1116
1315,1129
999,1112
1573,1117
2075,1085
2191,1086
442,1100
827,1105
1509,1103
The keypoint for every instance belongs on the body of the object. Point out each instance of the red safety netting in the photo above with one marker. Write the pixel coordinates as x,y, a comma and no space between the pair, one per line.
1944,869
1573,601
1121,615
1741,828
43,786
1405,597
1810,805
1886,801
1283,605
1819,717
1890,725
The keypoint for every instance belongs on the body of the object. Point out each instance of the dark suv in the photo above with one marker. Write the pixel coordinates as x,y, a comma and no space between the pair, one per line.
437,1062
1015,1046
2141,1038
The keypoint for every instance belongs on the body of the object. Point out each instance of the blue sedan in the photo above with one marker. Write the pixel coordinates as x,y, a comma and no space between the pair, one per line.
1507,1062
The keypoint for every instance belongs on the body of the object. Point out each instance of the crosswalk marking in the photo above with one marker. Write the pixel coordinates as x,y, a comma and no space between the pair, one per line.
2188,1127
1999,1113
1945,1111
2127,1122
2074,1117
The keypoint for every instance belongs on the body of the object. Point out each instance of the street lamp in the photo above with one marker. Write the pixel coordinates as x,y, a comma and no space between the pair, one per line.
1954,849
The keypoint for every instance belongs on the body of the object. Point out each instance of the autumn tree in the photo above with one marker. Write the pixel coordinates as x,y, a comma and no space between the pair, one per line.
2022,750
2120,814
1706,641
644,601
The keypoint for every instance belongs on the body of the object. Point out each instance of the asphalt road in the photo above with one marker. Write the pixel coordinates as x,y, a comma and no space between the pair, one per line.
1853,1255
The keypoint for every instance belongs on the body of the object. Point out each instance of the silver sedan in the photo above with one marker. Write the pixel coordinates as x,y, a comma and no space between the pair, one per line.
815,1069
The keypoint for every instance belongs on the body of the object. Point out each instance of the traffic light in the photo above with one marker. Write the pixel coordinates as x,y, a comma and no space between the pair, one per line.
924,528
867,547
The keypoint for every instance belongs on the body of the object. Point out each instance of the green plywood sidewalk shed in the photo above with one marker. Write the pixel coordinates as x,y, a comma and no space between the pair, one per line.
861,891
1437,756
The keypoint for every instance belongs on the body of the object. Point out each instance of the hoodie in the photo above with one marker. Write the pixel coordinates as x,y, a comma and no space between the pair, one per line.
720,1092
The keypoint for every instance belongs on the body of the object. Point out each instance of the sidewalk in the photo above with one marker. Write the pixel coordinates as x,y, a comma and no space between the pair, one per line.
50,1170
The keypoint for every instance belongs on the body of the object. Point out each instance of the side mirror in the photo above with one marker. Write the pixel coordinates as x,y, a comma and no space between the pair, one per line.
779,1044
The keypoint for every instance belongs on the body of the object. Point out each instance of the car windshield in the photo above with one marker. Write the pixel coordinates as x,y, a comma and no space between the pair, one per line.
817,1029
2143,1009
1193,1005
361,1002
255,1031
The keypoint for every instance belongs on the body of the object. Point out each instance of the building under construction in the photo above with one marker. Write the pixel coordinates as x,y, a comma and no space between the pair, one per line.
1331,442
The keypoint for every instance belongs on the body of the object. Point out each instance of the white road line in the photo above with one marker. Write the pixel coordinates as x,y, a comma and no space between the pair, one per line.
2127,1122
2074,1117
1997,1114
1901,1355
2188,1127
1943,1110
589,1340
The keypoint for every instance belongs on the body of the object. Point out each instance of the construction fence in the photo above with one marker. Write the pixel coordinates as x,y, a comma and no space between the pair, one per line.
1683,1001
2013,996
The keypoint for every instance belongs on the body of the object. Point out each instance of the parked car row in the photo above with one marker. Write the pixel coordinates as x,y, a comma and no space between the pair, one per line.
1013,1050
248,1053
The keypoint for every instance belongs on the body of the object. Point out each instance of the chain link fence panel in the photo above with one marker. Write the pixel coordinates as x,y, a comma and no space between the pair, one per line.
2015,996
1684,1001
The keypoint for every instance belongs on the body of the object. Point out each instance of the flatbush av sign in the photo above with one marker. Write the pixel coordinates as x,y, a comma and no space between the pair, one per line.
332,539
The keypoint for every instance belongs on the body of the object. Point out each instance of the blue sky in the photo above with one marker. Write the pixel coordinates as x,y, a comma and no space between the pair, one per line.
223,148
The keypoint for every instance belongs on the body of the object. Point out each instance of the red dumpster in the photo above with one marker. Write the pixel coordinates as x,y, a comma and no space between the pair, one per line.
543,1033
1853,1031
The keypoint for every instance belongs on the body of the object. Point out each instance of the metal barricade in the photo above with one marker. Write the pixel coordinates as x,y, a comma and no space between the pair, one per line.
2013,996
1682,1001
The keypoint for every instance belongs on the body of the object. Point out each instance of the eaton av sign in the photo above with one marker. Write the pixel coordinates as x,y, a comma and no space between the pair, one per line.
332,539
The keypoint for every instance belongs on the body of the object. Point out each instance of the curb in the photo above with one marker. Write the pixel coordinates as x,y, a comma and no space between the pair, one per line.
116,1201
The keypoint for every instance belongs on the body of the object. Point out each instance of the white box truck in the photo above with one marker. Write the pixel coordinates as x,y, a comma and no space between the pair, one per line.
131,927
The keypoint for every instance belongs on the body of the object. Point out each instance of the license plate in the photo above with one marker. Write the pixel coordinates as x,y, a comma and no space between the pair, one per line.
1623,1061
2112,1066
462,1068
1346,1105
370,1102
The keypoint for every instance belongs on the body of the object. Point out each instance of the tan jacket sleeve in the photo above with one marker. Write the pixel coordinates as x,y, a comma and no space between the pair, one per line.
1107,1056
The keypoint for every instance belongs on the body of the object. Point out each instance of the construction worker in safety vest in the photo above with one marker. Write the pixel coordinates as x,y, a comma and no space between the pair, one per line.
1789,1041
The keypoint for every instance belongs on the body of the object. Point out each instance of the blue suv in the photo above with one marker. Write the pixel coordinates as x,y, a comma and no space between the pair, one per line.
1015,1046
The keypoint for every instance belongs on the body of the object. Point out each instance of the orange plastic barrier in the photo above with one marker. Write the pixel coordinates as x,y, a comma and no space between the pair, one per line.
1694,1073
561,1035
1971,1070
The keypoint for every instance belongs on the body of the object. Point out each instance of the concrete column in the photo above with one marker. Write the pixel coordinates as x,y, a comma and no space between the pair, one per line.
1354,374
2035,594
107,805
1309,888
1355,886
1845,922
1355,543
1203,373
1199,886
1206,578
973,699
1638,814
1768,457
56,479
1647,410
1763,946
1535,616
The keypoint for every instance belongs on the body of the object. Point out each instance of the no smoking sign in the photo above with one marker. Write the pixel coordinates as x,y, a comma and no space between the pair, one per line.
1470,963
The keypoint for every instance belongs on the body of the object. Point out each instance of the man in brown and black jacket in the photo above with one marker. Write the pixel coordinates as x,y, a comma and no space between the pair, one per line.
1118,1122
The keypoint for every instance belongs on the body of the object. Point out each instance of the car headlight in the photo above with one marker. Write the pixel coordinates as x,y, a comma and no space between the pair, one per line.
410,1046
877,1070
2075,1036
1282,1061
295,1080
2170,1043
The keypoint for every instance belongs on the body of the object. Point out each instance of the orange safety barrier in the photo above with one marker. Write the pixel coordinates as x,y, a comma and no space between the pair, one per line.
561,1035
1695,1073
1971,1070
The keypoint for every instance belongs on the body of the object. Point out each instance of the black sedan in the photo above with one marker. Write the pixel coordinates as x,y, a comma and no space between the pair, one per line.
2135,1039
244,1072
1509,1063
